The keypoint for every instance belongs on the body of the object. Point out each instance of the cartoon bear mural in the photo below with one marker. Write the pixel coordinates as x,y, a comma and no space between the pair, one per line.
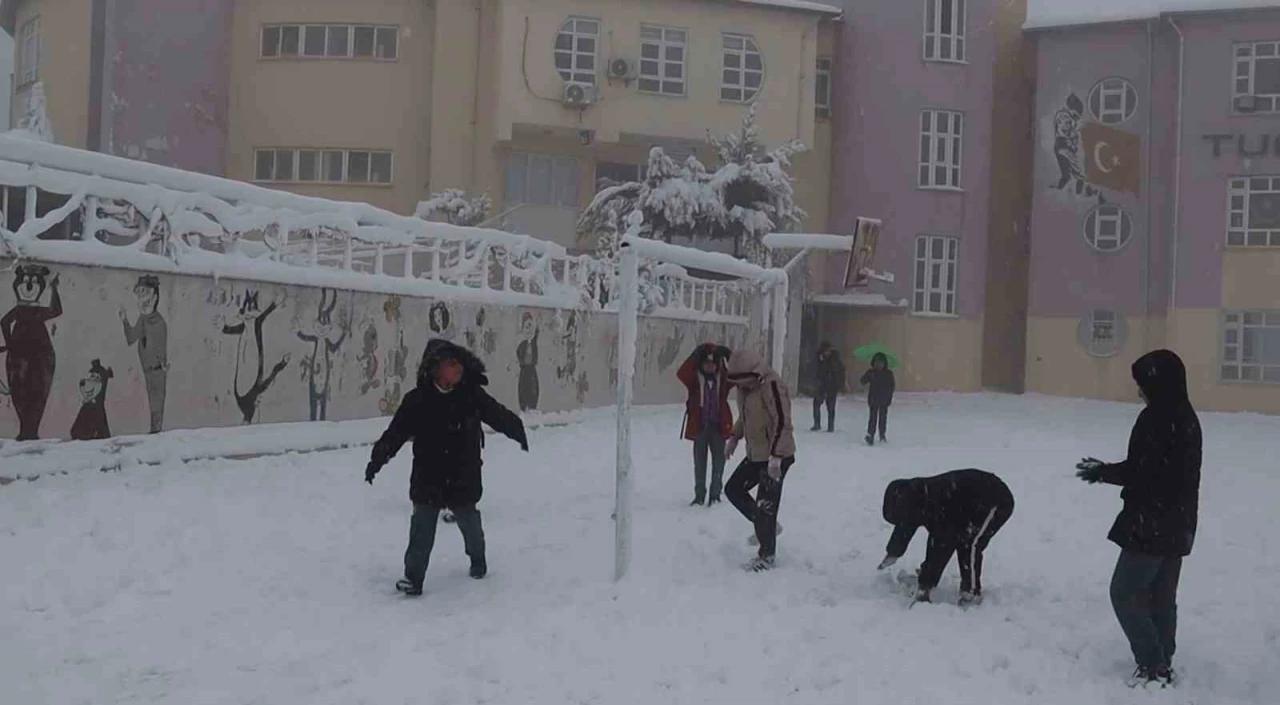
91,423
30,359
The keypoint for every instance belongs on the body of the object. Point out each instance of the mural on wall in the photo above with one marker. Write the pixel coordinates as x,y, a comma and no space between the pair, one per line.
91,422
527,358
250,314
568,338
671,350
440,321
368,359
30,359
150,334
395,371
326,338
1092,156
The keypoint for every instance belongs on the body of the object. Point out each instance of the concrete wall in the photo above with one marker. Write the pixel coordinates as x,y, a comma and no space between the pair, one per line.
357,364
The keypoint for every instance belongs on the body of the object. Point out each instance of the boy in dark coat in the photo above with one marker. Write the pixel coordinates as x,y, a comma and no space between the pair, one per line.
830,384
961,510
443,417
1157,525
708,420
880,395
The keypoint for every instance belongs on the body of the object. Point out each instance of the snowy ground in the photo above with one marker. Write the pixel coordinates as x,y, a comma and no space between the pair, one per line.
269,580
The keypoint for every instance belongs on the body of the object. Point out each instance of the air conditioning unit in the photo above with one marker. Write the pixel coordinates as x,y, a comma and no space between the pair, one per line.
620,67
1246,104
577,95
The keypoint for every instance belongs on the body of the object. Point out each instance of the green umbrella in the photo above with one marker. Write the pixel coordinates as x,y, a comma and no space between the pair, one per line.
866,352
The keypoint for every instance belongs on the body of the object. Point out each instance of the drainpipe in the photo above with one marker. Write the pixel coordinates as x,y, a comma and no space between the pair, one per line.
1177,184
475,99
1146,290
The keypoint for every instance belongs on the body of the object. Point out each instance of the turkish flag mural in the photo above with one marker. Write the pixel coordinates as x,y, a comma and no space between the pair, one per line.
1112,158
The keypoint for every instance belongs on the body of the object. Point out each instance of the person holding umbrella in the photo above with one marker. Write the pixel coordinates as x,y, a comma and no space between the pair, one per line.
881,384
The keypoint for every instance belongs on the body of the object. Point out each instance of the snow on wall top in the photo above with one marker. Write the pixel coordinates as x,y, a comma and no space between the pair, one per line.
805,5
1046,14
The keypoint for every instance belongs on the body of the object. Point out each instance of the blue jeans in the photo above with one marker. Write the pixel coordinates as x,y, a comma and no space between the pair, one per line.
710,440
1144,594
422,537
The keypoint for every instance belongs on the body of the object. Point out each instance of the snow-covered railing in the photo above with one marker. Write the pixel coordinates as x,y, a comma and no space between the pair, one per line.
158,217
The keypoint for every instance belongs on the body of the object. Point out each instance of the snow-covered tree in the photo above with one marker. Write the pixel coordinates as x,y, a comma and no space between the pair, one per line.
456,208
754,188
35,118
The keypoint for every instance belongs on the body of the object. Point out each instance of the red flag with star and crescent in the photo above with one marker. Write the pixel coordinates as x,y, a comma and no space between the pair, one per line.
1112,158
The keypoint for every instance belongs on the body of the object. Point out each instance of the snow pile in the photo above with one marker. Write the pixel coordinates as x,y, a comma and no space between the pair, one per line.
270,580
1058,13
806,5
456,208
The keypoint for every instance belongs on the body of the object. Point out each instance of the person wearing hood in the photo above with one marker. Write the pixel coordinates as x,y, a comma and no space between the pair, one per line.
764,422
708,421
961,510
443,417
830,385
880,395
1157,524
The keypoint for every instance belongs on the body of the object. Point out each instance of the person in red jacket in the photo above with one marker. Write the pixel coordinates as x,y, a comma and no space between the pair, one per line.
708,419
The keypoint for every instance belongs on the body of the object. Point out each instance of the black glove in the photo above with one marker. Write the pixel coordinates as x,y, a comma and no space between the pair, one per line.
723,353
1090,470
370,471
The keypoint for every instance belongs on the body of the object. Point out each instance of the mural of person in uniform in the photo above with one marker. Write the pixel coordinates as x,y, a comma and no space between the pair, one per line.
151,336
527,358
30,360
570,339
1066,149
318,366
91,423
238,325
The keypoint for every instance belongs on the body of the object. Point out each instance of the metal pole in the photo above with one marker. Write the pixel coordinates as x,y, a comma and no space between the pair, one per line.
780,295
628,286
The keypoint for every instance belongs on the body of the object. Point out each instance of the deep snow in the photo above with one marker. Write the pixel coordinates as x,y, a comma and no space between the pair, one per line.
270,580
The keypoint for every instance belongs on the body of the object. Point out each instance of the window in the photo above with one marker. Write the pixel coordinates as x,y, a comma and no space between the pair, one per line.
542,180
822,89
1251,346
743,71
940,142
944,30
1113,101
333,41
662,60
1102,333
29,71
613,174
1257,77
1108,228
576,50
1253,212
935,274
323,166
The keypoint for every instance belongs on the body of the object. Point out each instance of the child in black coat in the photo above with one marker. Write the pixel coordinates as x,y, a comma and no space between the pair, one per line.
881,381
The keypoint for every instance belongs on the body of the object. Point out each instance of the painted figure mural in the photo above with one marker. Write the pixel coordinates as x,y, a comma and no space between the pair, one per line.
1066,149
238,325
440,321
91,422
150,334
30,360
397,370
368,359
527,357
326,339
570,339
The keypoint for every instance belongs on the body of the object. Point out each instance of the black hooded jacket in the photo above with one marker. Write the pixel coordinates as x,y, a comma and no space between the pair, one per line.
952,507
1161,475
446,431
830,371
881,382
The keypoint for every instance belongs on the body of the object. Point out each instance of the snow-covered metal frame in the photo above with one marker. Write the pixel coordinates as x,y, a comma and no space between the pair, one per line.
67,205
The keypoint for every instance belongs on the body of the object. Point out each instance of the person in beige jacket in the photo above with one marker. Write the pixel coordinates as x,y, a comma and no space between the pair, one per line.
764,421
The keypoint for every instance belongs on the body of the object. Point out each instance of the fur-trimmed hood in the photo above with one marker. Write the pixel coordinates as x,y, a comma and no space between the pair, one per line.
437,350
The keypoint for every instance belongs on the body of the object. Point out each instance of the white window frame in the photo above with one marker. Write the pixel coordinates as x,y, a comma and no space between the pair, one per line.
324,157
563,194
666,38
822,88
1108,213
951,145
1237,325
1245,72
29,44
1114,87
936,36
734,59
575,29
926,264
1240,191
380,33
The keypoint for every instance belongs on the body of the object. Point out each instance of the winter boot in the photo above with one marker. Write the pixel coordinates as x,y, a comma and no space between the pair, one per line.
883,439
760,564
816,427
479,568
970,599
697,502
715,499
753,541
1149,677
408,587
871,440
